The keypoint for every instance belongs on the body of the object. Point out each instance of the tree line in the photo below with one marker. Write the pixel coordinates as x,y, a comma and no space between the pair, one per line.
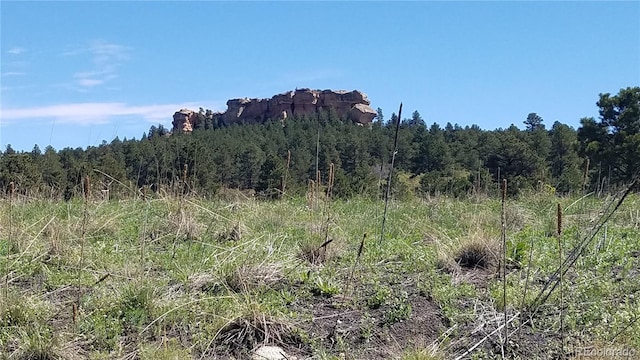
600,155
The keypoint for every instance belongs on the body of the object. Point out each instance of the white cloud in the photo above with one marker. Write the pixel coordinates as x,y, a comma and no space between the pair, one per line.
106,58
12,73
86,82
16,50
93,113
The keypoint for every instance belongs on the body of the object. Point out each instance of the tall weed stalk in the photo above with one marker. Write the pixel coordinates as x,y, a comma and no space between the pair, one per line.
143,236
86,193
318,156
355,262
393,158
503,232
327,212
585,179
181,217
526,281
12,189
316,191
559,235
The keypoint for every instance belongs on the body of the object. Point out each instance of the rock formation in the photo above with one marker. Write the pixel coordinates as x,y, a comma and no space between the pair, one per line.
352,105
183,120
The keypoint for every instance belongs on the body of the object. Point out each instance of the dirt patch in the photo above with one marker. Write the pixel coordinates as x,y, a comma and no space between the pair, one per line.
344,326
477,276
64,301
423,326
528,342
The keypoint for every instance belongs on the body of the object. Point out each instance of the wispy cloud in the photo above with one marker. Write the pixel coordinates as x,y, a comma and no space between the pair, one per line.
12,73
16,50
93,113
106,59
90,82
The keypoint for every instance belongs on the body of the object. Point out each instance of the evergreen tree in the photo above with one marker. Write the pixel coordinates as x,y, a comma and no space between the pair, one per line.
53,174
564,160
434,153
515,160
534,122
615,139
379,117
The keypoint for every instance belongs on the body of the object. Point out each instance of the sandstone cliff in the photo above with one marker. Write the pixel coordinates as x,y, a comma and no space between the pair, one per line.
183,120
352,105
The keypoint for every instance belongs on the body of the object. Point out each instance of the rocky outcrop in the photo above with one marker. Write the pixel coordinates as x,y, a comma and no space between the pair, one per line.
352,105
362,114
184,120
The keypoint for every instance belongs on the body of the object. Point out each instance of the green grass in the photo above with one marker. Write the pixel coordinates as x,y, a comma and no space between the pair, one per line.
166,280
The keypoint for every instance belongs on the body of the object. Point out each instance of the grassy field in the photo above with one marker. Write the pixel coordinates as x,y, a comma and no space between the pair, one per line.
171,278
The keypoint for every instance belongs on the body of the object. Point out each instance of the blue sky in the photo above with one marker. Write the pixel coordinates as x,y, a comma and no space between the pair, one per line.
76,73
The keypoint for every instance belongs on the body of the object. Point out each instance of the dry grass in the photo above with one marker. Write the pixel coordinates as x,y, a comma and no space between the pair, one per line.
54,233
247,332
236,195
517,217
234,233
184,223
476,254
251,277
319,248
317,253
204,282
475,250
427,353
445,262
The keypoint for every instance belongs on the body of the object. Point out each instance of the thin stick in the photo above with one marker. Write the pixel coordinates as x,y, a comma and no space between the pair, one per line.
526,282
586,175
486,337
12,189
327,201
185,171
181,200
332,175
316,191
318,155
393,159
559,235
355,262
380,180
86,190
316,184
504,262
624,328
598,184
144,230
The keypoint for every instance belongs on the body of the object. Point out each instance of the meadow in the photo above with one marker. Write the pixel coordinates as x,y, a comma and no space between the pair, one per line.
181,277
